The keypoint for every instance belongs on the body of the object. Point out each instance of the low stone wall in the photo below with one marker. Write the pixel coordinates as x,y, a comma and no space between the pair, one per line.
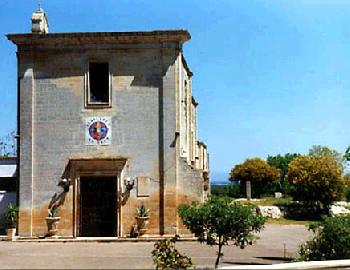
301,211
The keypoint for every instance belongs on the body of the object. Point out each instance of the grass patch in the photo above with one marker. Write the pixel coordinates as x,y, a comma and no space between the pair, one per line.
270,201
280,202
285,221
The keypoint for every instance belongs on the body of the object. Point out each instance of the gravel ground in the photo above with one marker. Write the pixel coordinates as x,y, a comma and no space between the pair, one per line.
277,243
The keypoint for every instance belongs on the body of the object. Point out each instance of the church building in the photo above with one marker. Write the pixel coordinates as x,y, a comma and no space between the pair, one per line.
107,123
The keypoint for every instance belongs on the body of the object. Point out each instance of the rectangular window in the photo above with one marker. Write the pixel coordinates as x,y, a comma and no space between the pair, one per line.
99,85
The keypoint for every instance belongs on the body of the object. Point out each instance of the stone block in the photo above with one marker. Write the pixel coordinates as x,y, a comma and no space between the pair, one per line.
269,211
336,210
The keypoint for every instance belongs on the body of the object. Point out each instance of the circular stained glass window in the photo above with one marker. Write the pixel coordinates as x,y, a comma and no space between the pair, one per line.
98,130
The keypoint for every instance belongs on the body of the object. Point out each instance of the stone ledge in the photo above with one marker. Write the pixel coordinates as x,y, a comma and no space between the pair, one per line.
297,265
99,239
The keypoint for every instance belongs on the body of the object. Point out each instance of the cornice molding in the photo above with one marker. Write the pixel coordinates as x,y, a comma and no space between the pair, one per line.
174,36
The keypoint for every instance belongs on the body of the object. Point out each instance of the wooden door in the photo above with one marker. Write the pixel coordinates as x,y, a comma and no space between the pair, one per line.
98,212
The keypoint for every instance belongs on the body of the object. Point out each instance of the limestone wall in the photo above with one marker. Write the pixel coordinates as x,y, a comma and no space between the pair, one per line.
54,84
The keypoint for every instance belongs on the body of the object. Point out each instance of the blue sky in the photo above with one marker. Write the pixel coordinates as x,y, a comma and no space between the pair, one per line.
270,76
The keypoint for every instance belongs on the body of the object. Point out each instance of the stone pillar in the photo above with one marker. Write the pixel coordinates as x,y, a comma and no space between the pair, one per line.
248,190
26,96
167,126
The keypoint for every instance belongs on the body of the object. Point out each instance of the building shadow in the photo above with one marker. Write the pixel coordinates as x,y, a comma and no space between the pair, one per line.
244,263
284,259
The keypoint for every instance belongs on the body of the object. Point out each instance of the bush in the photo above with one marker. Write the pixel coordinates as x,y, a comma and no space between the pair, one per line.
331,240
166,256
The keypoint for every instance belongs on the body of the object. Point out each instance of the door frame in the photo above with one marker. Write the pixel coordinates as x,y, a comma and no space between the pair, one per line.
94,168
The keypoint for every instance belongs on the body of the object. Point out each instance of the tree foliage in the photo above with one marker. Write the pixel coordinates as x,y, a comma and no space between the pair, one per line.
347,183
331,240
319,150
317,178
281,162
347,154
256,170
219,220
8,145
231,190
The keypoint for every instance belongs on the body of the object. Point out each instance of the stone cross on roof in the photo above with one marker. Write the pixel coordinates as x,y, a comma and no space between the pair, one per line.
40,23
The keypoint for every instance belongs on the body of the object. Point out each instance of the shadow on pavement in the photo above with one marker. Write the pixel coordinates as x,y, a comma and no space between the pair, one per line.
276,259
245,263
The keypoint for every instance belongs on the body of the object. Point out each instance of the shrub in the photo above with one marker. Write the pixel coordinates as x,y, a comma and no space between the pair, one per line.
166,256
331,240
316,179
220,220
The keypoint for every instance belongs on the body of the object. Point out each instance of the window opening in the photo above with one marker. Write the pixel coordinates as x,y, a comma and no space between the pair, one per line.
98,83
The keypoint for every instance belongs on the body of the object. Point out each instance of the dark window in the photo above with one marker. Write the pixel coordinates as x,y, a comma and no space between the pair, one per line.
8,184
98,83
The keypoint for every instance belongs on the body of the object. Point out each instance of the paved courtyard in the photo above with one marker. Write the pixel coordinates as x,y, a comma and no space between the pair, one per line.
275,243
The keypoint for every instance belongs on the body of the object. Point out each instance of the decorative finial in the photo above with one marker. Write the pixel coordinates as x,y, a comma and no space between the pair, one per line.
40,23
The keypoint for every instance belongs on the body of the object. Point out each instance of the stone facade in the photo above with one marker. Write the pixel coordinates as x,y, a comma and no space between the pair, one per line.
153,118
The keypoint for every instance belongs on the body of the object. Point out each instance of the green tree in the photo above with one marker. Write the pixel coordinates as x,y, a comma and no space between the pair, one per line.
317,179
281,162
319,150
347,154
232,190
219,220
256,170
347,183
8,145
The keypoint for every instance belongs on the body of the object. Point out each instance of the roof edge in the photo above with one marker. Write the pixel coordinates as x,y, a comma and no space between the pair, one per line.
184,63
100,37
